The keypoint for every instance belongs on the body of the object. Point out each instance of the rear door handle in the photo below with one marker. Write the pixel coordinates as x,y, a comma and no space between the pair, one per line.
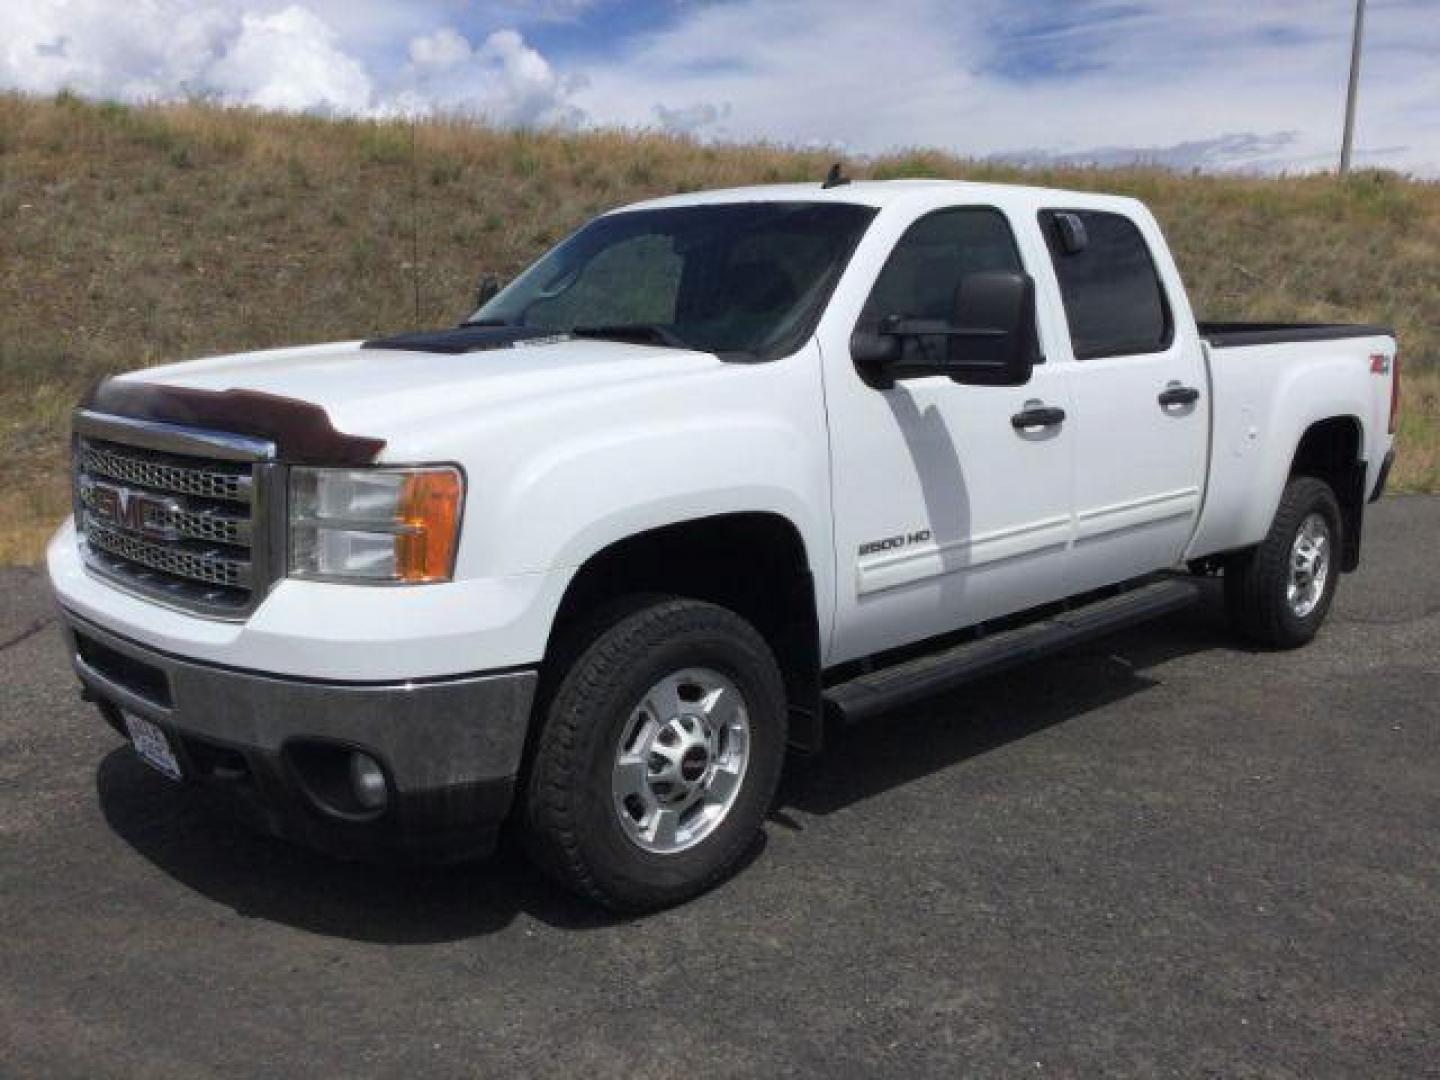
1178,395
1037,416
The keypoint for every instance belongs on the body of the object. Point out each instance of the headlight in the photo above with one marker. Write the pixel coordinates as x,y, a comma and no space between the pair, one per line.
375,525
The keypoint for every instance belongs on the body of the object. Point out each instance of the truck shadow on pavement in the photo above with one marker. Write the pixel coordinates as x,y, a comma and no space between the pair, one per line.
867,759
260,877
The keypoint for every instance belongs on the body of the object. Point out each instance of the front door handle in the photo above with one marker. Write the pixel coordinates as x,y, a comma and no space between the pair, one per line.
1178,395
1037,416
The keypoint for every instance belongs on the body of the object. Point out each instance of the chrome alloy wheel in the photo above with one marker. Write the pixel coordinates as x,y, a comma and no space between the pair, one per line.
681,760
1309,565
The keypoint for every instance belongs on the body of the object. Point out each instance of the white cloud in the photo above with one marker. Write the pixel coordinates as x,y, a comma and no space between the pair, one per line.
700,118
992,76
798,70
524,84
503,78
290,60
1233,149
150,48
274,55
443,49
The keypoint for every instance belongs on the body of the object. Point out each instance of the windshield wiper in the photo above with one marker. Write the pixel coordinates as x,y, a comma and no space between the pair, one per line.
485,322
639,333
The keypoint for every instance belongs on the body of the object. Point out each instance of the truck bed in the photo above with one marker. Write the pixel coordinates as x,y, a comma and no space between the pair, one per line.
1270,384
1227,335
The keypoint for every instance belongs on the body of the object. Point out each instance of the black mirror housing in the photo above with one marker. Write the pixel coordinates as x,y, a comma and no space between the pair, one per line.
989,340
874,349
1070,231
993,341
487,290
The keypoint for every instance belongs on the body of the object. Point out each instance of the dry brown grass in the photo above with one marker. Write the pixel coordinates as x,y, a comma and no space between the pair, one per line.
130,236
1417,461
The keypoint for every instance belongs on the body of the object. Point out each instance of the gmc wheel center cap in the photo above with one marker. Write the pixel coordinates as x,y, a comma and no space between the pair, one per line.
693,764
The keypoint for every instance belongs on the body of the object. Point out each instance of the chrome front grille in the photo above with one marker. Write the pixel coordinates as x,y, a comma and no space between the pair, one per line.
165,518
176,514
206,483
209,566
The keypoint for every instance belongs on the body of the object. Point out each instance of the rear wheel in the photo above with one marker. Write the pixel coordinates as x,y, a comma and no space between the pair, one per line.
1279,593
659,756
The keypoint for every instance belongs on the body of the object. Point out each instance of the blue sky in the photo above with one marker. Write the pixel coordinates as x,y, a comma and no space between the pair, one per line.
1212,84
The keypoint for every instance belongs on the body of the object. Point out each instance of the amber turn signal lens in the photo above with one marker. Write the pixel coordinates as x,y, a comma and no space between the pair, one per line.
429,509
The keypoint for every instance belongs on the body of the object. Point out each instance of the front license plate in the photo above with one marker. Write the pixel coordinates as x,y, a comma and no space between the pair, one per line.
152,746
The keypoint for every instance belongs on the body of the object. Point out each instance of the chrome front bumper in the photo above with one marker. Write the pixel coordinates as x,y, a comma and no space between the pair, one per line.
450,748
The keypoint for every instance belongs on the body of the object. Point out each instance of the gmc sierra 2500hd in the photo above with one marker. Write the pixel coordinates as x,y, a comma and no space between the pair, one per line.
717,467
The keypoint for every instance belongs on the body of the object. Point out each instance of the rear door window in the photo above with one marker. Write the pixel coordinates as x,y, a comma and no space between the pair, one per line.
1114,300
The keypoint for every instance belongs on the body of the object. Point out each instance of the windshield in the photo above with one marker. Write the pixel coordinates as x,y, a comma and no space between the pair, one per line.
728,278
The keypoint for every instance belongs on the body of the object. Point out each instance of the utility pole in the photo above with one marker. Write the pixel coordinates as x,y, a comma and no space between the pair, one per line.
1348,143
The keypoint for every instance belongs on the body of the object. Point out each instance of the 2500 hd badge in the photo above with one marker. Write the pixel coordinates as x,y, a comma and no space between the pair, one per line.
890,543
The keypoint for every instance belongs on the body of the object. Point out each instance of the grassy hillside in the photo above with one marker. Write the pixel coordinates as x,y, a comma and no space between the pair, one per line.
131,236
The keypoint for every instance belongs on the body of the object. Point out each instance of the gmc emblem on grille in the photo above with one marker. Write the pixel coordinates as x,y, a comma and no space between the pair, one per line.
150,516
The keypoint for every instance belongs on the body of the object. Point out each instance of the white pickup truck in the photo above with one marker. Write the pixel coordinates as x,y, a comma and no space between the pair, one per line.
715,470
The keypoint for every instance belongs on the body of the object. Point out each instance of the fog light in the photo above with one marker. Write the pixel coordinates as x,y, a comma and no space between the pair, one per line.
367,781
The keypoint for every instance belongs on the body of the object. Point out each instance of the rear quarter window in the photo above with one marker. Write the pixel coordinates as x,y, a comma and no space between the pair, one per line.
1114,300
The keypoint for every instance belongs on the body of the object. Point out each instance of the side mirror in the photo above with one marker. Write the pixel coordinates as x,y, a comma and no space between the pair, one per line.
875,350
989,340
1070,231
992,341
488,289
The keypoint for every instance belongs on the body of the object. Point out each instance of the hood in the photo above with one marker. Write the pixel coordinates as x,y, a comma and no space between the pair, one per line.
391,393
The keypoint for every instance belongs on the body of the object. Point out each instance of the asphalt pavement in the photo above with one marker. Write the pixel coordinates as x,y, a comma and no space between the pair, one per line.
1163,854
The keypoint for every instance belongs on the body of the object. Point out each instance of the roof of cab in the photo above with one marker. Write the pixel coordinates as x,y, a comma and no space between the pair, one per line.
881,193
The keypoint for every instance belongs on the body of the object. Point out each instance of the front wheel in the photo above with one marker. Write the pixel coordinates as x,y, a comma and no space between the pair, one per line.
659,756
1279,592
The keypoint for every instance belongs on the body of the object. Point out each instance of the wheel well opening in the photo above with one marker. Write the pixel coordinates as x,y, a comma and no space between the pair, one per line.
1330,451
751,563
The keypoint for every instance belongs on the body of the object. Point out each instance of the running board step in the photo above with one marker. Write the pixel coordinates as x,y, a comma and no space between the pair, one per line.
913,680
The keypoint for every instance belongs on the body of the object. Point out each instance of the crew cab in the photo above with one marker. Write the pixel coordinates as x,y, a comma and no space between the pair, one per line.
717,470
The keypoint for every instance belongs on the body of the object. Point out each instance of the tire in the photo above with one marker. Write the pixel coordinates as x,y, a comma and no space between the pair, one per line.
603,773
1258,583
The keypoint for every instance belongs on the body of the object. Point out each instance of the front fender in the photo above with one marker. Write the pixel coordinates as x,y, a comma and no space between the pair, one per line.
584,496
548,493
